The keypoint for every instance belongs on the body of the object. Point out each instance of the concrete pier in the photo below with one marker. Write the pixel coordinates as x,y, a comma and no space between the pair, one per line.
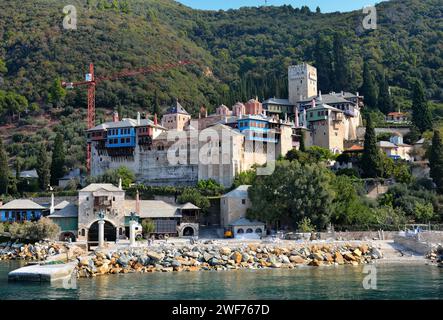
42,273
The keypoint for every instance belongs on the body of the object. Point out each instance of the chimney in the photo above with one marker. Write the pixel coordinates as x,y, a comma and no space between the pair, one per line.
342,93
358,94
319,96
296,117
313,103
115,117
138,118
52,208
137,203
120,184
155,119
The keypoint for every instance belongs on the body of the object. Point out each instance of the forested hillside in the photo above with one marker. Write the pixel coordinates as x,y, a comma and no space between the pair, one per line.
237,54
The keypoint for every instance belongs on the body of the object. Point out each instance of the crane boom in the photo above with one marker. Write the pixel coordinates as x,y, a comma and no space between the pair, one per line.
91,82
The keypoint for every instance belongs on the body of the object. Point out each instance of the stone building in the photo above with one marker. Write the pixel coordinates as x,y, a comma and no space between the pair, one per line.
233,205
302,82
176,118
97,198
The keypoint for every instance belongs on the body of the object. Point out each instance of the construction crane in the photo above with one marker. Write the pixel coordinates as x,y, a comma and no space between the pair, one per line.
91,81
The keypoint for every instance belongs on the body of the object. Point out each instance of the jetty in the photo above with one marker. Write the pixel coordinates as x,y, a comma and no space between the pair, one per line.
42,273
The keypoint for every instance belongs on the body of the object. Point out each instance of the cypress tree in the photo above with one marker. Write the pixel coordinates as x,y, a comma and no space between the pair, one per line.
323,63
302,142
371,163
58,160
43,168
436,161
4,170
421,115
341,64
368,88
384,97
156,105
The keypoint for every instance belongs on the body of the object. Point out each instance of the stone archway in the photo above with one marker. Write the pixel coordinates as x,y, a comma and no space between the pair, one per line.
188,232
66,236
110,232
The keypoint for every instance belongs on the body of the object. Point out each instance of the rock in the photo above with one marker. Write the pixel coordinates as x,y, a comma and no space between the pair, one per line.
318,255
284,259
252,247
155,256
193,254
315,263
167,269
338,258
237,256
357,252
329,257
84,262
364,248
123,261
349,256
376,253
276,265
297,260
103,269
245,257
214,262
225,251
207,256
176,264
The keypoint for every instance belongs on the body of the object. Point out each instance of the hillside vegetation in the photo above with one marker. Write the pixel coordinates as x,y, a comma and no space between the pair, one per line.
237,53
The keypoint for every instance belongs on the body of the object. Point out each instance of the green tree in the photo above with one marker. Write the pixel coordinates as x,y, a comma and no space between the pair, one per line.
245,178
210,187
384,101
324,63
4,170
371,163
58,160
369,88
302,141
341,64
436,160
194,196
3,68
294,191
421,115
43,168
148,226
56,93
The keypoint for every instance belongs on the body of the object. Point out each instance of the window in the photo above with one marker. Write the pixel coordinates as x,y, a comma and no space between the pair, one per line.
249,230
258,230
243,201
240,231
83,232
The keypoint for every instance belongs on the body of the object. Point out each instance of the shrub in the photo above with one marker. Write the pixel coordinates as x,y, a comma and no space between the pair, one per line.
148,227
305,225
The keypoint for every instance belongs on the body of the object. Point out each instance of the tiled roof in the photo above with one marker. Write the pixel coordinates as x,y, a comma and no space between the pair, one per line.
22,204
98,186
125,123
152,209
177,108
278,101
239,192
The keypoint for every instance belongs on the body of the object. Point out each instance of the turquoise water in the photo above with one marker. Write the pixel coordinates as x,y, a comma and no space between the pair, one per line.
343,282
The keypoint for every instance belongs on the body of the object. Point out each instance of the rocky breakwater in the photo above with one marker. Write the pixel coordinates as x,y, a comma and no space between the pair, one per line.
39,251
436,255
199,257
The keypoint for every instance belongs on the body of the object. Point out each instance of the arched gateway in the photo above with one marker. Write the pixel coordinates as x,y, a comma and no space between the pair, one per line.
110,232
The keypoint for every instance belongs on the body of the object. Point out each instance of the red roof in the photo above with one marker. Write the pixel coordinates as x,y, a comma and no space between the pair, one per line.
396,114
355,147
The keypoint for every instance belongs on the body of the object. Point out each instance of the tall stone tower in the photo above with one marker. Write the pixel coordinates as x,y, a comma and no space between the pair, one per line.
302,80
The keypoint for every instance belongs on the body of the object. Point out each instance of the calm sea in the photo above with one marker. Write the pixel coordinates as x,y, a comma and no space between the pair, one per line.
344,282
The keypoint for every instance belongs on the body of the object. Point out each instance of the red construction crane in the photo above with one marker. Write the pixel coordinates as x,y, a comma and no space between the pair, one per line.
91,82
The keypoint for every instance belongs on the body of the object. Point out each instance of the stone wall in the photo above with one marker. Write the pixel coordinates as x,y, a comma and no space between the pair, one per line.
359,235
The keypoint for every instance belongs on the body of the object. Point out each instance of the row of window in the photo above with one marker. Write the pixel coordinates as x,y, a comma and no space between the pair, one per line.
113,132
249,230
122,140
254,124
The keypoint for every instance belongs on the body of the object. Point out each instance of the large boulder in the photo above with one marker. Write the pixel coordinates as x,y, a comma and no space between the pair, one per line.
338,258
376,253
155,256
237,257
297,260
226,251
283,258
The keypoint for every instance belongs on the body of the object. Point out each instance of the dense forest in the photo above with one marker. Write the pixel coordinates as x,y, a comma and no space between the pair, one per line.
237,54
